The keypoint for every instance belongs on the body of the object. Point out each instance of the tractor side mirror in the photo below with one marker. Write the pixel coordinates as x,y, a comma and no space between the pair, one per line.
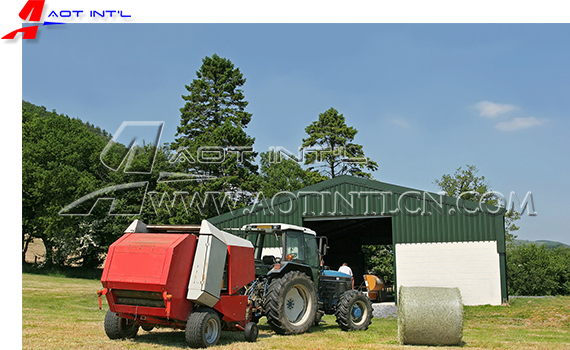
323,244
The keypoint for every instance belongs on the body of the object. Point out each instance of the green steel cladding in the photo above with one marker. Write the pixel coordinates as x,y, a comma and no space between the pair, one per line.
350,197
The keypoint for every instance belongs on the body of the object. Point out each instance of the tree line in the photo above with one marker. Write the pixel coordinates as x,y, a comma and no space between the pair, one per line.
538,270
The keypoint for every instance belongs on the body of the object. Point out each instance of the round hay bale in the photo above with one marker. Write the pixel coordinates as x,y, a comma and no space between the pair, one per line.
430,316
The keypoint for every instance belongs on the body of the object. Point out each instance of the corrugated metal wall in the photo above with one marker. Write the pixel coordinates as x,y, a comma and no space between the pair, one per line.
346,196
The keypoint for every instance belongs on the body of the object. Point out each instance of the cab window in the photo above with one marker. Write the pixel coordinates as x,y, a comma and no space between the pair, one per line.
311,251
294,245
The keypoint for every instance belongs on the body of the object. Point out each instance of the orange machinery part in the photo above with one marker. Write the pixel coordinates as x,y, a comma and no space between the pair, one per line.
373,283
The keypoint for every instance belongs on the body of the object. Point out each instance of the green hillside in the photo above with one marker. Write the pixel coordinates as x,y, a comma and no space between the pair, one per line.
548,244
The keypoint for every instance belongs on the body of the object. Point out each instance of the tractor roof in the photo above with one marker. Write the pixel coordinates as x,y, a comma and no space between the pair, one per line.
277,227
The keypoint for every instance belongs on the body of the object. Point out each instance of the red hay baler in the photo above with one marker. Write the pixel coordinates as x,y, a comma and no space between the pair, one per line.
185,277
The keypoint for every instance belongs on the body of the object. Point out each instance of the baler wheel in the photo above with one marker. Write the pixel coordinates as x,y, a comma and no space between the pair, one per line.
251,332
147,328
203,328
291,303
119,328
354,311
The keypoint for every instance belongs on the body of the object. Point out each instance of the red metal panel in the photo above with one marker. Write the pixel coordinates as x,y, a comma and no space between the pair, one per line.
152,263
182,259
241,267
137,266
110,254
140,310
142,258
133,286
232,307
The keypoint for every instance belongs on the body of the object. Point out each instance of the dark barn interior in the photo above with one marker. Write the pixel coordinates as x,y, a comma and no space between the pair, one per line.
346,238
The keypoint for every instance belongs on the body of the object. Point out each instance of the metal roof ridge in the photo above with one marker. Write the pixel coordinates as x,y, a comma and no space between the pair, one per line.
345,179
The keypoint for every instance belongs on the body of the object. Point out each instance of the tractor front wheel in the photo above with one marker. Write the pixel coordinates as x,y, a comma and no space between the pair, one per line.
291,303
354,311
118,327
203,328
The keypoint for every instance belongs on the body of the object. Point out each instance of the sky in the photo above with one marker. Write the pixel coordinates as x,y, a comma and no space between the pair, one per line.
426,99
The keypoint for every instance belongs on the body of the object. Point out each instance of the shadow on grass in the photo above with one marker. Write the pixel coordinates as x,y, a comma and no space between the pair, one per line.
324,326
63,271
176,339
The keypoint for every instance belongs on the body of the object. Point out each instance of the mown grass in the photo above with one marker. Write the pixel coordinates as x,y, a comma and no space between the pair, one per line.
62,313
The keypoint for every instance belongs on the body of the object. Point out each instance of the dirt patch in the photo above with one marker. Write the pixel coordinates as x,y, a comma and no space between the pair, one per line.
36,252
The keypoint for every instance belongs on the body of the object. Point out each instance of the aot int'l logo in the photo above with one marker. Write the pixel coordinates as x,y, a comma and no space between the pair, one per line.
32,9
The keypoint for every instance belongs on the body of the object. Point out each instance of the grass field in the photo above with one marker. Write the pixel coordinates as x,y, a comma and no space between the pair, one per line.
62,313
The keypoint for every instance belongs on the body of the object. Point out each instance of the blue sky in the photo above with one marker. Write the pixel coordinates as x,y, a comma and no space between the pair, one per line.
426,98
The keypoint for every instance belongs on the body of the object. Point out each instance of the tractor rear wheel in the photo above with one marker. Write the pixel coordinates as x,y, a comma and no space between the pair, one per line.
203,328
118,327
291,303
354,311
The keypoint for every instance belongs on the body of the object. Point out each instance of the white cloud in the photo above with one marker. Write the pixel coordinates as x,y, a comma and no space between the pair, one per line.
519,123
401,123
491,109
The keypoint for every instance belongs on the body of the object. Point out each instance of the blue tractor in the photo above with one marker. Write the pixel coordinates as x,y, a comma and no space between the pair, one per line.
292,289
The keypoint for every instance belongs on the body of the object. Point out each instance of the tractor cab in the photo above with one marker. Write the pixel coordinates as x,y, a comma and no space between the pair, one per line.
279,248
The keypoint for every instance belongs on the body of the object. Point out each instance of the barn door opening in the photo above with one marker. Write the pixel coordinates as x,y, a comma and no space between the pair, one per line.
346,238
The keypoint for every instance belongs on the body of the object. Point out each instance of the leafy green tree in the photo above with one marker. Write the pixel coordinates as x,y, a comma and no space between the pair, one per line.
339,155
284,174
462,181
170,199
379,261
60,162
212,126
466,180
535,270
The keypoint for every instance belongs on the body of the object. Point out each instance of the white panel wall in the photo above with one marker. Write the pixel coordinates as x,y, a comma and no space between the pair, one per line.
471,266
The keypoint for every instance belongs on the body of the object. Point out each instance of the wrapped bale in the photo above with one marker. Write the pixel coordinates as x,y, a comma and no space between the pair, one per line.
430,316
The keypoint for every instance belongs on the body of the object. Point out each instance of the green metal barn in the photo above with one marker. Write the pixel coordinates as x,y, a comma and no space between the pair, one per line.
438,241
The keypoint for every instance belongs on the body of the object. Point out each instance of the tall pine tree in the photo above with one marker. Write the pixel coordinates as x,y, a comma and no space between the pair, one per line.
211,140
